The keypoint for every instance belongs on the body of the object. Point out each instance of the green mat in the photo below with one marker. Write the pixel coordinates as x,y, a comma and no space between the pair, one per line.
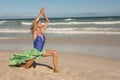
18,58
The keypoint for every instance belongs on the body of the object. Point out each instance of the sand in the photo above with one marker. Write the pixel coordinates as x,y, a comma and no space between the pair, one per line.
72,67
80,58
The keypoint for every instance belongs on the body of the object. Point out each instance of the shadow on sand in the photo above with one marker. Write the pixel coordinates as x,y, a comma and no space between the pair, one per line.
33,65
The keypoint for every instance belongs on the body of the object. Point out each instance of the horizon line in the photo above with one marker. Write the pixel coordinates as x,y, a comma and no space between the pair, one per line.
59,17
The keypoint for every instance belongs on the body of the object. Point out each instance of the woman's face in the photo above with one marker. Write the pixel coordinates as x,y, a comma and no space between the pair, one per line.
39,24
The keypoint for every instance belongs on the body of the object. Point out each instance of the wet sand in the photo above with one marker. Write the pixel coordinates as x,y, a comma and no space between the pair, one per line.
107,46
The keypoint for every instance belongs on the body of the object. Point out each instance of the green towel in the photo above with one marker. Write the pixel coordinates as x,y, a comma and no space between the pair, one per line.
17,59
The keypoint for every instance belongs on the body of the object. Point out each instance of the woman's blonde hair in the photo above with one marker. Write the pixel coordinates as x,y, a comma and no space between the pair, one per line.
32,27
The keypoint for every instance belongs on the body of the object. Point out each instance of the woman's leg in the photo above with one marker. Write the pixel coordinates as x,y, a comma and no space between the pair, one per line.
28,63
55,58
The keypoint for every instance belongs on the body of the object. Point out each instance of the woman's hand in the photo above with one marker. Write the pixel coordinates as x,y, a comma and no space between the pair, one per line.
42,10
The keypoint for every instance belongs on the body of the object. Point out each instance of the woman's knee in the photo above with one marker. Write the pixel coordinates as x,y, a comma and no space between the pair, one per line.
50,53
55,53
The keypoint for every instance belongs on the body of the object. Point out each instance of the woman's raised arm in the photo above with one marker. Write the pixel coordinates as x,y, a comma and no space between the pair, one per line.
46,23
39,15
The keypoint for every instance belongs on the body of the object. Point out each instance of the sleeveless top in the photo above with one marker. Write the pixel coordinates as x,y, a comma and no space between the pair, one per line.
36,52
39,42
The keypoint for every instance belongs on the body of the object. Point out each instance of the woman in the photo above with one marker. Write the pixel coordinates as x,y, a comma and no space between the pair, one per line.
39,39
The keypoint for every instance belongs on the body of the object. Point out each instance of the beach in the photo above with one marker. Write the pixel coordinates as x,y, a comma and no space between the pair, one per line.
88,49
84,64
72,67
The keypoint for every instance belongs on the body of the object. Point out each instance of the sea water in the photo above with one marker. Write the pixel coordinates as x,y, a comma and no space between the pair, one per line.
20,28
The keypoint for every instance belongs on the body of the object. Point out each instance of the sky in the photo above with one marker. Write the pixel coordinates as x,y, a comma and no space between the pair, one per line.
59,8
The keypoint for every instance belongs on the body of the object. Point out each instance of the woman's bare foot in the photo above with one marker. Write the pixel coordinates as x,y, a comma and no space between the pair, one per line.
56,71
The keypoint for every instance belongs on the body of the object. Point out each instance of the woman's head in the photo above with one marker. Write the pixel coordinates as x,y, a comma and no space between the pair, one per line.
39,25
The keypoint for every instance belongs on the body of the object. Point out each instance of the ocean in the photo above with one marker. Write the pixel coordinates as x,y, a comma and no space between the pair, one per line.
20,28
98,36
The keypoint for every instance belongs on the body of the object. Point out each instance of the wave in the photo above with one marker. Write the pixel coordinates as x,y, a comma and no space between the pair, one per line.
76,23
83,30
2,22
14,31
26,23
7,21
8,38
92,30
69,19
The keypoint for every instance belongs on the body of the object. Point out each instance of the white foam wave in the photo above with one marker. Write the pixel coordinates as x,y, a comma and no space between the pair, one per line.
99,29
108,22
83,31
8,38
76,23
2,22
69,31
13,31
26,23
69,19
